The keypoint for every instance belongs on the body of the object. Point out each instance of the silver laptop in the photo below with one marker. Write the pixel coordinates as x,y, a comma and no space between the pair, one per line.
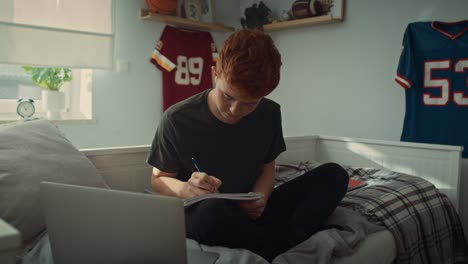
93,225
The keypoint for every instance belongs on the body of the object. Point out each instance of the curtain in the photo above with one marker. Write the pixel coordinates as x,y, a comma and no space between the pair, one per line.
67,33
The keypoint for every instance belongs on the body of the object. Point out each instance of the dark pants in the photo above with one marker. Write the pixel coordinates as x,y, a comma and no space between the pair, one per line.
296,210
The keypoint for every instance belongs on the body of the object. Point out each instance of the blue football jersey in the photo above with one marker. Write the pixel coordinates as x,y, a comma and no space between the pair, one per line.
433,69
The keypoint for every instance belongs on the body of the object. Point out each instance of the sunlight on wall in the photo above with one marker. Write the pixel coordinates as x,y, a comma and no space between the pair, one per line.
432,170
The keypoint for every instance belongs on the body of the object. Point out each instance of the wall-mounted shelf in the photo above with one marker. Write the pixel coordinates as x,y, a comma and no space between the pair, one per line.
334,16
145,14
305,22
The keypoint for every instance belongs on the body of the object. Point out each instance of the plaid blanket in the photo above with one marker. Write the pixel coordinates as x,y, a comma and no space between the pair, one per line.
423,221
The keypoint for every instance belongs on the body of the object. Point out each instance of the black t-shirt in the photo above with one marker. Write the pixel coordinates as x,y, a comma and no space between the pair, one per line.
234,153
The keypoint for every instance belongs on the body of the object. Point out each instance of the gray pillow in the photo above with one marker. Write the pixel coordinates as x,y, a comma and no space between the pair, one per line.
32,152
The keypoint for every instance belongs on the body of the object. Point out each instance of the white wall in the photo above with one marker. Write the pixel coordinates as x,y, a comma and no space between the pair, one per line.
336,79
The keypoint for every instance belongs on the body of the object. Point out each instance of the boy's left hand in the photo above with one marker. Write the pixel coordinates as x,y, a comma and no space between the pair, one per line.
254,209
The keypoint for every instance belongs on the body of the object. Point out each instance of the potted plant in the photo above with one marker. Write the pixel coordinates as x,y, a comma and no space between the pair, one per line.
256,16
51,80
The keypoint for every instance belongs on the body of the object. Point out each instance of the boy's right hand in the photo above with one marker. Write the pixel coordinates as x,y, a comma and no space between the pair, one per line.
200,183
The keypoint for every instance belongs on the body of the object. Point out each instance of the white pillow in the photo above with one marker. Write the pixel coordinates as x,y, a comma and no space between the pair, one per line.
32,152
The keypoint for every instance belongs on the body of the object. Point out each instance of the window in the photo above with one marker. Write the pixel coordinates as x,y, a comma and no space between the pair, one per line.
73,34
15,83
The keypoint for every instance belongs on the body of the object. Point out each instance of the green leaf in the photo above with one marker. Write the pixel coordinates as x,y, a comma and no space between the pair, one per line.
49,78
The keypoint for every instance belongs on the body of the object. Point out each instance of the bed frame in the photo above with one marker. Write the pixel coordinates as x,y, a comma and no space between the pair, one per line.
125,168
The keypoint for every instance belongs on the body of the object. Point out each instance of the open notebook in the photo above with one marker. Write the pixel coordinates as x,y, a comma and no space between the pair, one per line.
251,196
229,196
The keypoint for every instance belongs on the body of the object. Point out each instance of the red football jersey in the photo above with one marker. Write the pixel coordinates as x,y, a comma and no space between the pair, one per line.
185,58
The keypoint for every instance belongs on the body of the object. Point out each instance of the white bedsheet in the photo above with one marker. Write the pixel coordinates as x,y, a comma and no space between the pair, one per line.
378,247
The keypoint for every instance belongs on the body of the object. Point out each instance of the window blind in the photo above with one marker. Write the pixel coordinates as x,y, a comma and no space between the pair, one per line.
68,33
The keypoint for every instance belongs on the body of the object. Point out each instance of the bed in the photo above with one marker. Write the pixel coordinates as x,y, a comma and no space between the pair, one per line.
125,168
438,164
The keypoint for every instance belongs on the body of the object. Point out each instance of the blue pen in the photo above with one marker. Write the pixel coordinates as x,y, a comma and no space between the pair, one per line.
196,165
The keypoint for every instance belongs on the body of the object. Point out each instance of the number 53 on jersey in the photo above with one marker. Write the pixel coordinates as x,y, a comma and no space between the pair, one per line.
433,69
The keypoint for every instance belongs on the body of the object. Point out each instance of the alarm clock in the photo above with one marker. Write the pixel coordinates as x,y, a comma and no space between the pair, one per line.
25,108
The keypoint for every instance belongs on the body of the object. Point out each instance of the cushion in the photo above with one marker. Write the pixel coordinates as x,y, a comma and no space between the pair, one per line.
32,152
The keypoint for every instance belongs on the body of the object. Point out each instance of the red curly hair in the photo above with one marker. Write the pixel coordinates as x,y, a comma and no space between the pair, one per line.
250,62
